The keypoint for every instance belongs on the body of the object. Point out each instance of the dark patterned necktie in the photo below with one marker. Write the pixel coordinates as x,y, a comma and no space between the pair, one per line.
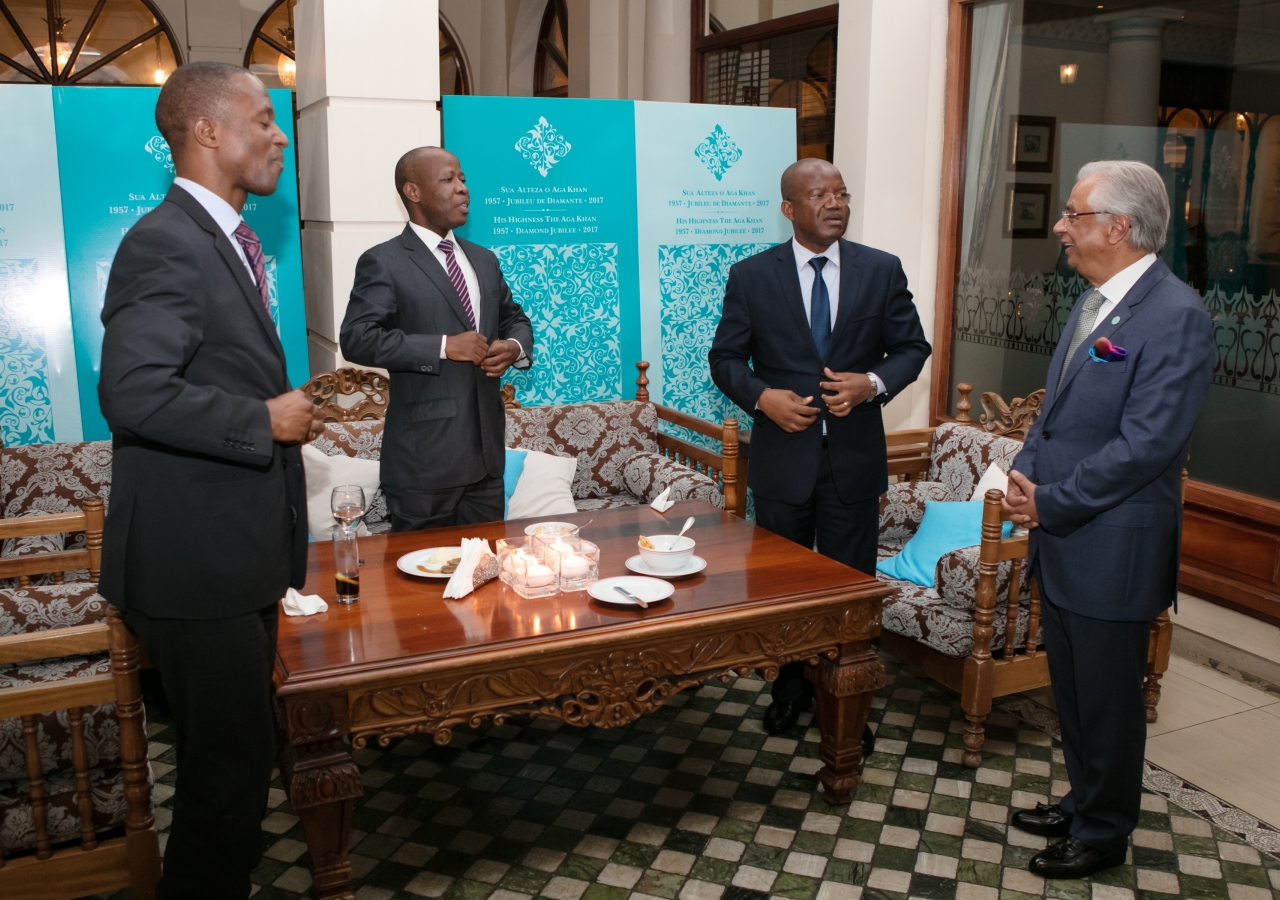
1084,325
253,252
459,283
820,307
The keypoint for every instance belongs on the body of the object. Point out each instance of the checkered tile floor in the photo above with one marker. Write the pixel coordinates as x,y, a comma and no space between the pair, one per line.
697,802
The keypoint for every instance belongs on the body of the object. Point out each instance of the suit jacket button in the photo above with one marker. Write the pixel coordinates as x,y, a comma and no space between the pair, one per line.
1046,435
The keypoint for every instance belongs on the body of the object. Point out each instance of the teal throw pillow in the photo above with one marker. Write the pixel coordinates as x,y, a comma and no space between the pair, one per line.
511,476
945,527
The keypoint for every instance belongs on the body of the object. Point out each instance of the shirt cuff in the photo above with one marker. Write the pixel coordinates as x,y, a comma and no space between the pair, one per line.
880,388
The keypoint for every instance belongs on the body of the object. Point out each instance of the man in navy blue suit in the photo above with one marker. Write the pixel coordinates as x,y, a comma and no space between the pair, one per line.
816,335
1099,483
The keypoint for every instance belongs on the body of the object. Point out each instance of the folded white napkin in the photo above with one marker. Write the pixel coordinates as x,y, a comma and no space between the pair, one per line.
661,503
296,604
478,565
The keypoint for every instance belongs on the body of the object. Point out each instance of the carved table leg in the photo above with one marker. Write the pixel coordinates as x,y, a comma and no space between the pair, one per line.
844,687
322,780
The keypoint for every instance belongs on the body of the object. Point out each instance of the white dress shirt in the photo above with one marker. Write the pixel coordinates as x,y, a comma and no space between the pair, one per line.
831,276
432,240
223,213
1116,287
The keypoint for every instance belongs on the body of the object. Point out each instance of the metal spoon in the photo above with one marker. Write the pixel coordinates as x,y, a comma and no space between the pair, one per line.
632,597
687,523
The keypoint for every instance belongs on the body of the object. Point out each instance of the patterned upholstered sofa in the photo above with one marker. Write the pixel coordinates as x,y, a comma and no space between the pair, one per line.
80,770
624,457
616,444
941,617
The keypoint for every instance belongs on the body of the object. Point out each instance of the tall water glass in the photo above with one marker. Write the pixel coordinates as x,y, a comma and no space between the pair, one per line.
347,504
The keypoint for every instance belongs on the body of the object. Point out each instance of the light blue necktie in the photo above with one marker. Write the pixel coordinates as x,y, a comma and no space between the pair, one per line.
820,307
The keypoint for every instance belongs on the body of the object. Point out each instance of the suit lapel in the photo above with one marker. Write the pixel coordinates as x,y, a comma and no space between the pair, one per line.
789,288
850,283
425,260
1114,321
192,207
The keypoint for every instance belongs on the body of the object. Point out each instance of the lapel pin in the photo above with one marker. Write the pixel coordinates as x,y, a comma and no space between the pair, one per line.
1115,320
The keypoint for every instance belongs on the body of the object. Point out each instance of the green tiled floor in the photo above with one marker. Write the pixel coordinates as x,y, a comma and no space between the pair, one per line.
696,802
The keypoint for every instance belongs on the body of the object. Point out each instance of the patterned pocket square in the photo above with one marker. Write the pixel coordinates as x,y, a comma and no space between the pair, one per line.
1104,351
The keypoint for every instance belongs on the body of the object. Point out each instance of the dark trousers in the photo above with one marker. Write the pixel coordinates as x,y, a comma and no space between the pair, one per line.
217,676
1097,669
413,510
845,532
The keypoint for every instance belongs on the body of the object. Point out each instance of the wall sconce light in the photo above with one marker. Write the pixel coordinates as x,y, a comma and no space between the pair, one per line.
1067,73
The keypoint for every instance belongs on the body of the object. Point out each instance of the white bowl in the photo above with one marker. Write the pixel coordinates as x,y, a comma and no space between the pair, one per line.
551,529
670,552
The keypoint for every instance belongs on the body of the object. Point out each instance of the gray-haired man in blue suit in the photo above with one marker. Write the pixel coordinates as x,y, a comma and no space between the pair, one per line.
1098,481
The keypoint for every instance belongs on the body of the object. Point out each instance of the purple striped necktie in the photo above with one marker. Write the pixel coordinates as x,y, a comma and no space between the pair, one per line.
459,283
253,252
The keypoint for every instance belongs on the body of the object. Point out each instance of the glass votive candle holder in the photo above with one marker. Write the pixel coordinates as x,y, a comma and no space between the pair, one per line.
525,567
577,561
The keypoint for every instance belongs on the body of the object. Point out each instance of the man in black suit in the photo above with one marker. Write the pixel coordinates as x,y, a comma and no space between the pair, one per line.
207,526
816,335
436,312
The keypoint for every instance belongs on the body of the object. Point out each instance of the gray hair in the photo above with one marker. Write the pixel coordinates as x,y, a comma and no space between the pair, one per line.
1134,189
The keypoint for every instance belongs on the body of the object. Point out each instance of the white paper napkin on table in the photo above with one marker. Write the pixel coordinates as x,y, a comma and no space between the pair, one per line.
478,565
296,604
661,503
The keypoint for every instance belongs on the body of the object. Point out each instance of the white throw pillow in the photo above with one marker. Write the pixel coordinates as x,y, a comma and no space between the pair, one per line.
995,478
324,473
545,487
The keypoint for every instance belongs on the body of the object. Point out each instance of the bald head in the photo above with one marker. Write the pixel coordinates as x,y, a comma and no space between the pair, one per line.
433,189
802,171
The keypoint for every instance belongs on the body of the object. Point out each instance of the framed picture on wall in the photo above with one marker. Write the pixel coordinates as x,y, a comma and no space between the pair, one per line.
1031,139
1027,210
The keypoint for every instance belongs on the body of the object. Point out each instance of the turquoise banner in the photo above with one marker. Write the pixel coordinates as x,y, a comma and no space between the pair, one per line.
553,194
115,168
615,223
38,390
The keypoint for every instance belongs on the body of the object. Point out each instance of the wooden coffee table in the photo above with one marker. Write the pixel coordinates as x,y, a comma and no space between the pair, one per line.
404,660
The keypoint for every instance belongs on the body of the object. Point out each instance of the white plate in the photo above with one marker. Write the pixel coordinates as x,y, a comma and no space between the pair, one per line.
410,561
563,529
651,590
640,567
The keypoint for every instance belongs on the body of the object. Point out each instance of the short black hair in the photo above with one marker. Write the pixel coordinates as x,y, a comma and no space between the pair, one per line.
405,166
193,91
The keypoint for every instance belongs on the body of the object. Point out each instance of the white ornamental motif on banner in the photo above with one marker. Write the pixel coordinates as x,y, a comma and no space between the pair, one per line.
718,152
542,146
158,147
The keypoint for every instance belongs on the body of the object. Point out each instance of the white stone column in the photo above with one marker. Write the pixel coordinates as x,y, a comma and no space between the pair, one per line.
1133,65
492,77
666,50
366,94
214,32
888,146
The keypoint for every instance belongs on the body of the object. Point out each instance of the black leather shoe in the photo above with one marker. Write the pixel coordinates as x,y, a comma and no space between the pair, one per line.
868,741
1046,820
1073,859
782,715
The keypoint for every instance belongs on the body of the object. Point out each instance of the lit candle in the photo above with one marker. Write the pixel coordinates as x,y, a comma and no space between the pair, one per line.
574,566
538,575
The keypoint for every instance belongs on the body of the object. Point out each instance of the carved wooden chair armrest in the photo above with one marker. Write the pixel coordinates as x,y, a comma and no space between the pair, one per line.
89,520
371,387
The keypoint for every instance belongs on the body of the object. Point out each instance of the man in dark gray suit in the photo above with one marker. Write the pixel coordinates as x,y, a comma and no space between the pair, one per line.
436,313
207,526
1099,483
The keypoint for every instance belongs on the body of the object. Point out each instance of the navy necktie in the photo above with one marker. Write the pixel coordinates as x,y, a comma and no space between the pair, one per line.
820,307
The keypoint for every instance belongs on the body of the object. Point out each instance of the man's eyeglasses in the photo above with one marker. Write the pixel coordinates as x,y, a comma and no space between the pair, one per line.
842,198
1071,216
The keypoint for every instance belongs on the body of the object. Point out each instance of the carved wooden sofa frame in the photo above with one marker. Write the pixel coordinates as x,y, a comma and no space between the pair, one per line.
725,467
984,675
98,864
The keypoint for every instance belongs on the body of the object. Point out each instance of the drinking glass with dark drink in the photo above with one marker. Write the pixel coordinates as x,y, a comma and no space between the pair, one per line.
347,504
